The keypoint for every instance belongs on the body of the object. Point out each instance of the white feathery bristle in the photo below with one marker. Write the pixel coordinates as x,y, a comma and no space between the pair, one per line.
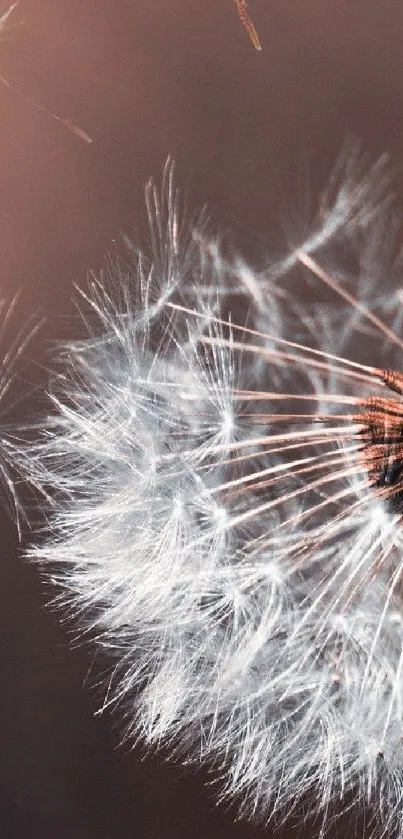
5,18
224,463
12,345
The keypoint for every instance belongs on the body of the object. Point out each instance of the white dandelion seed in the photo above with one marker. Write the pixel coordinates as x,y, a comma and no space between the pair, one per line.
227,498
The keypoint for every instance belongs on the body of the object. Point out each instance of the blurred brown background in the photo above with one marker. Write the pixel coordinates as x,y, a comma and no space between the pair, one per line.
249,133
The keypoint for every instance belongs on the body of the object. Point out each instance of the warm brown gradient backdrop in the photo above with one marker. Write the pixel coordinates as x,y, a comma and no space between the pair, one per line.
249,131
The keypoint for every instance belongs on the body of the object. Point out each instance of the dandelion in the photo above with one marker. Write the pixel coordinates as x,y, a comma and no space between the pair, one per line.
224,469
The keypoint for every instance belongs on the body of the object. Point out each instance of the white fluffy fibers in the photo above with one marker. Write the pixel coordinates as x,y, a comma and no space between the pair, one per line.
224,462
13,341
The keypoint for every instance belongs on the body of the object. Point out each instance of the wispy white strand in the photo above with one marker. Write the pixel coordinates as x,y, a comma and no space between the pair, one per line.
13,343
225,489
5,18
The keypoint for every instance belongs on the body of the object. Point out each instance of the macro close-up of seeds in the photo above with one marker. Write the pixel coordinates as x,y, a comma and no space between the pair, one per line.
201,395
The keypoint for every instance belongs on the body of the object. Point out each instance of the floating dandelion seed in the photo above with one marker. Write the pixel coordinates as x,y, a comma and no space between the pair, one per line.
247,23
65,121
227,501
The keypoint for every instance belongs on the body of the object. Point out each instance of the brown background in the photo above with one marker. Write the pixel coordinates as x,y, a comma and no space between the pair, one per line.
250,133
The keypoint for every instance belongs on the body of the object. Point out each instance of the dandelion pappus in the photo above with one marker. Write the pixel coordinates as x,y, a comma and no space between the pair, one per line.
239,546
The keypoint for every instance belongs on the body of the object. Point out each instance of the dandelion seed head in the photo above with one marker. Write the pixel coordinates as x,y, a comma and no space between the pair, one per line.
224,464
